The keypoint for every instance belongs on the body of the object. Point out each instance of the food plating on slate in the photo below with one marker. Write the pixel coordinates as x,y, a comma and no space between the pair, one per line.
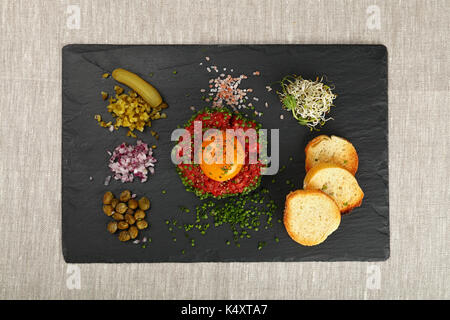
220,154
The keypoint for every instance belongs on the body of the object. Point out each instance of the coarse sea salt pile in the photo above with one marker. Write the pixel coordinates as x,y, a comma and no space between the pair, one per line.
224,90
227,90
130,161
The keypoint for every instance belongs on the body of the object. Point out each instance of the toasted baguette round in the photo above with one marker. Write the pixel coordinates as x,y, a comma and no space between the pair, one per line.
310,216
337,182
336,150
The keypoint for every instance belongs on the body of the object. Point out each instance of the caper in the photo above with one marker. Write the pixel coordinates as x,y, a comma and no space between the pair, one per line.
112,226
129,211
144,203
108,209
141,224
130,219
121,207
117,216
122,225
133,204
108,197
139,215
114,203
124,236
133,231
125,196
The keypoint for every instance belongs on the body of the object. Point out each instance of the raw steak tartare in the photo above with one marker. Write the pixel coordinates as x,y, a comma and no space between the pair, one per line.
193,175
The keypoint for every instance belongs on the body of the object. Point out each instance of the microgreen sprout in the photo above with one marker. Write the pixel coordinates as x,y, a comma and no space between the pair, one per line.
309,101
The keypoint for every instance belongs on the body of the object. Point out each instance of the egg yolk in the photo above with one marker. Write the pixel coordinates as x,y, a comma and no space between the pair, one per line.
217,168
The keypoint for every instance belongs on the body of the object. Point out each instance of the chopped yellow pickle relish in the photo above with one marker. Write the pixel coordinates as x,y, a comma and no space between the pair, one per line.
131,111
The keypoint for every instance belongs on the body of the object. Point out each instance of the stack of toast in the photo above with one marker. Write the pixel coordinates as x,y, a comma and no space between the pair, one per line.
329,190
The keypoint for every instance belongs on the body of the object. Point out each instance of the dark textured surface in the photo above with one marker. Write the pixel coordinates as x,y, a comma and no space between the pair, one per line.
359,74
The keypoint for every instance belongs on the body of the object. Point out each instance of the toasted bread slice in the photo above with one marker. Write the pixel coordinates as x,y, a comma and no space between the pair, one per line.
310,216
336,150
337,182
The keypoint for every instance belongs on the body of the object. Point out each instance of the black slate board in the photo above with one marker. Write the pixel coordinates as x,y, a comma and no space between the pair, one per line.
359,73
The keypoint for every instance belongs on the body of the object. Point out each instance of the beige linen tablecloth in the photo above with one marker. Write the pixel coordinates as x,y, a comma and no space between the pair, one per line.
416,35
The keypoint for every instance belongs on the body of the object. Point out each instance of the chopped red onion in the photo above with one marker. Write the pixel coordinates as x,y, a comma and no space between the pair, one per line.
128,161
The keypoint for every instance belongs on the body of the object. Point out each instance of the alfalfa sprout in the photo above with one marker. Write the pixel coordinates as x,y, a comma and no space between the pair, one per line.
309,101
